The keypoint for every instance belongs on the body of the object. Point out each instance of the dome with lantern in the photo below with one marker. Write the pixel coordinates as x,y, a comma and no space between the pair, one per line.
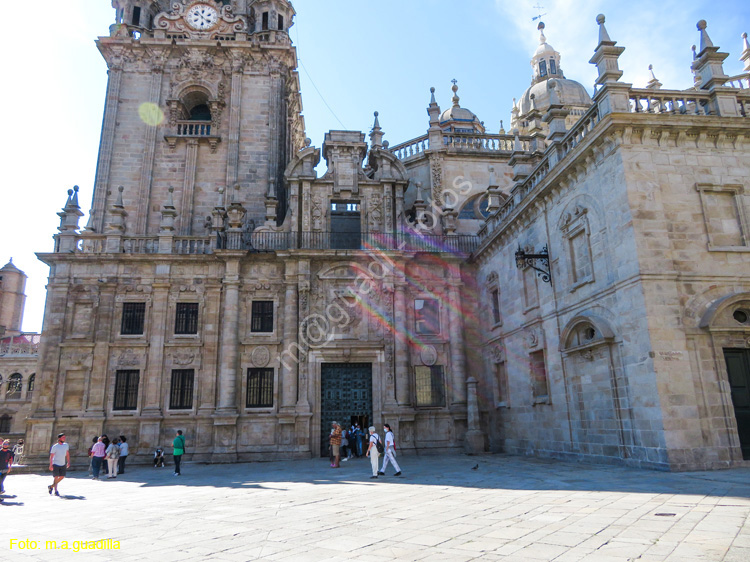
546,64
457,119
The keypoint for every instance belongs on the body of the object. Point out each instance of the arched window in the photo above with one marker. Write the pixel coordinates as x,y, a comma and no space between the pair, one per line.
15,385
200,113
543,68
552,66
30,389
5,420
195,105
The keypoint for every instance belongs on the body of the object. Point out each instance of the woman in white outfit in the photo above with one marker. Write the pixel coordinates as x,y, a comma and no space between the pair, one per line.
372,451
390,451
113,456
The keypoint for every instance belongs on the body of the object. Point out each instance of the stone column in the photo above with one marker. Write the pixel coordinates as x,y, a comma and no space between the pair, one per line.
401,346
456,344
154,375
233,136
291,354
106,146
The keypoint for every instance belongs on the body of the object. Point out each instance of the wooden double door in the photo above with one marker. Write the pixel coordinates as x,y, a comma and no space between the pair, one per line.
346,397
738,368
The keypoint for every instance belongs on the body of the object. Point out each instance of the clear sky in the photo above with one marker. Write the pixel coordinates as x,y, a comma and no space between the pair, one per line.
358,56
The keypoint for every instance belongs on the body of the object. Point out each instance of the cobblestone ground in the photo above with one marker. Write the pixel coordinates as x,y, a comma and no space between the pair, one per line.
508,508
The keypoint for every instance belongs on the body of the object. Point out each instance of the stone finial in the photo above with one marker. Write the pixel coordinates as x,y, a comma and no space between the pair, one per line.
603,35
710,65
606,57
168,216
376,135
705,39
542,38
745,57
119,202
517,146
653,84
502,127
420,197
433,101
456,99
74,197
493,177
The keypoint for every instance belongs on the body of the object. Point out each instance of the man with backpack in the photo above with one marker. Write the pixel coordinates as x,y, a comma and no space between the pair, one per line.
390,451
374,450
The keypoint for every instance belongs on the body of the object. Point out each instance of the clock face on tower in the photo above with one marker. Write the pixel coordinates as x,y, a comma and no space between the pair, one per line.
202,16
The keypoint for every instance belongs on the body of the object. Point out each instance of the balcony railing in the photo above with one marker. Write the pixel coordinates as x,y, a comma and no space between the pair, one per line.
194,128
22,344
367,241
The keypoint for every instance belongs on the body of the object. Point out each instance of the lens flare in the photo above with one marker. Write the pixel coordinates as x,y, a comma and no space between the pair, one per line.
151,114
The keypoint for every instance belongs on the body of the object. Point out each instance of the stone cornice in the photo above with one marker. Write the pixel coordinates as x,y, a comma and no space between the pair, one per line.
612,132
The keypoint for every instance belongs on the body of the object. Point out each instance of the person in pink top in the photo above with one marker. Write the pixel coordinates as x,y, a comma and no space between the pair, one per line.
98,452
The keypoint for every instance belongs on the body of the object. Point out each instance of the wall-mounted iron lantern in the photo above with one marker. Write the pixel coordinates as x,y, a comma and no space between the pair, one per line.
538,262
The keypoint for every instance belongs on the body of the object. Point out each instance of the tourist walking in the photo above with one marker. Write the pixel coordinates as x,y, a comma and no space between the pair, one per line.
335,444
372,451
113,457
123,455
59,462
6,461
179,449
91,457
98,453
390,451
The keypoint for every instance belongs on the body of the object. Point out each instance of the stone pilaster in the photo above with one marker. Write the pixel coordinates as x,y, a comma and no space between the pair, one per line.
149,150
155,377
401,346
229,339
291,353
456,344
233,136
188,188
106,147
474,439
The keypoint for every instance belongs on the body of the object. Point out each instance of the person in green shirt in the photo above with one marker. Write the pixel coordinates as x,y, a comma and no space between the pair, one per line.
179,450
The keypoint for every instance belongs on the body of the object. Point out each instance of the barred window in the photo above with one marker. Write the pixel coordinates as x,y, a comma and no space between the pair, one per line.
429,385
186,318
133,316
181,393
262,316
126,390
259,388
427,316
5,420
30,389
15,385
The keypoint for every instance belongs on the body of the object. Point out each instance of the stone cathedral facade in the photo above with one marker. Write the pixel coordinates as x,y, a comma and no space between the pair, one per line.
576,288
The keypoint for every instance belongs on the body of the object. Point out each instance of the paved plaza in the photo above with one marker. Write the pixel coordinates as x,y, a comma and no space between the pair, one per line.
442,508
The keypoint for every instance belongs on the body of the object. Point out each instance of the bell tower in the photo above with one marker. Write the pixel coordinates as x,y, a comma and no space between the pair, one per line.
203,97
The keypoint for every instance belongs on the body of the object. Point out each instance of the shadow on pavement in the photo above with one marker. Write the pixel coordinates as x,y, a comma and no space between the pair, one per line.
476,472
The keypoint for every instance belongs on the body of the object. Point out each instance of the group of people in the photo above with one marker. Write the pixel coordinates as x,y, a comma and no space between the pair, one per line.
102,449
346,441
108,454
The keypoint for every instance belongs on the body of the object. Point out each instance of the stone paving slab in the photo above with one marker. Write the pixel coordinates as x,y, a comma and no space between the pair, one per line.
509,508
